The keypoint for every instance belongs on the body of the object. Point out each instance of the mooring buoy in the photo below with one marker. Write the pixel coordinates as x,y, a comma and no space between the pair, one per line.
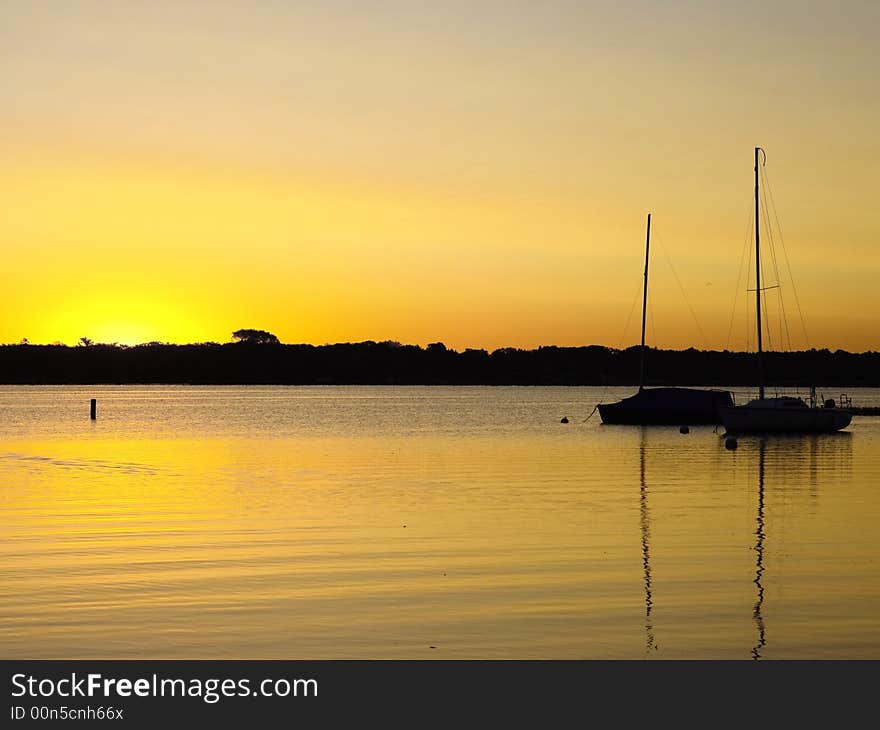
564,420
684,429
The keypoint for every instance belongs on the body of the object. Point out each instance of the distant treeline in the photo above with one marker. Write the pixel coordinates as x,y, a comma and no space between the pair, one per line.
390,363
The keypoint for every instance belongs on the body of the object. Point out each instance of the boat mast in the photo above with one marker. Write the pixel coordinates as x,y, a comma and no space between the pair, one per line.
758,150
644,308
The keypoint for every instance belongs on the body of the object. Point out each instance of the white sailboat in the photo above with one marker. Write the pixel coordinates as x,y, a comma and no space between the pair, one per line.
784,414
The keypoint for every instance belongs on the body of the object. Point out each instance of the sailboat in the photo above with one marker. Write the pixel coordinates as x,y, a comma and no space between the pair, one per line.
785,414
663,406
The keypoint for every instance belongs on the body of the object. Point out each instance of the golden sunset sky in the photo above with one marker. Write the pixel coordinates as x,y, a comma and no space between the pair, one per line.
472,172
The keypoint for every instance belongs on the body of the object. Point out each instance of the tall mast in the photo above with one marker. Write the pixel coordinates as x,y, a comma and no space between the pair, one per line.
644,307
758,150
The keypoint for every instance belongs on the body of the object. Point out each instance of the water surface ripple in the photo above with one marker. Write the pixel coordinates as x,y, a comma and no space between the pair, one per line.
379,522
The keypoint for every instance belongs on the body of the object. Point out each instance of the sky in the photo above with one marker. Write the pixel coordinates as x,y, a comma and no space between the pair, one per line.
472,173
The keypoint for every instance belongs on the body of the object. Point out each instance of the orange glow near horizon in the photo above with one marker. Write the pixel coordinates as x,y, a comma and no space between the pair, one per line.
333,175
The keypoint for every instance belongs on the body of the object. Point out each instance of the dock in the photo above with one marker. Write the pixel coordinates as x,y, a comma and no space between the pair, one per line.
866,410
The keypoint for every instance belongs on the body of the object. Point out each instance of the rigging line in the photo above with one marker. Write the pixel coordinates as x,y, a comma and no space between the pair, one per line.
765,314
593,411
765,218
783,317
778,284
629,317
763,304
681,289
742,258
767,320
787,262
748,323
748,298
778,277
783,320
622,337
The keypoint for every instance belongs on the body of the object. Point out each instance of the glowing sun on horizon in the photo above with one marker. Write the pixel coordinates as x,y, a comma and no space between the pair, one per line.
126,318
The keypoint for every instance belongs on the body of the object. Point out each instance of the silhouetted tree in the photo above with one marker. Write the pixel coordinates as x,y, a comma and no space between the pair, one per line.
255,337
380,363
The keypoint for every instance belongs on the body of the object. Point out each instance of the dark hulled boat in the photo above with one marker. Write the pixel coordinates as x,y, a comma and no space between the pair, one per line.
667,406
663,406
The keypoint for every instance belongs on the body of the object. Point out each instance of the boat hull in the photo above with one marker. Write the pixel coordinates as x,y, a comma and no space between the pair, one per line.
750,419
665,407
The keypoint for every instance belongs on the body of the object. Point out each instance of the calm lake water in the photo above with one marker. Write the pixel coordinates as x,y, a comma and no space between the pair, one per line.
413,522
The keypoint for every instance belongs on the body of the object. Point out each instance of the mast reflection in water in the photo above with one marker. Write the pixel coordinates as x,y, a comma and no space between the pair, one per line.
759,551
644,522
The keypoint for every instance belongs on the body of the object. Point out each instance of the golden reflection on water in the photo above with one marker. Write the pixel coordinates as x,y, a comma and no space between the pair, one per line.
379,523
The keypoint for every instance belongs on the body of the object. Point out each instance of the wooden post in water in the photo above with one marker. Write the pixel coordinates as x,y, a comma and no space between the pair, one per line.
93,409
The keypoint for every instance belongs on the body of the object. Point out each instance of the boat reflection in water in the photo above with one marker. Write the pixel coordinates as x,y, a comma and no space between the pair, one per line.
788,459
787,471
645,526
759,552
